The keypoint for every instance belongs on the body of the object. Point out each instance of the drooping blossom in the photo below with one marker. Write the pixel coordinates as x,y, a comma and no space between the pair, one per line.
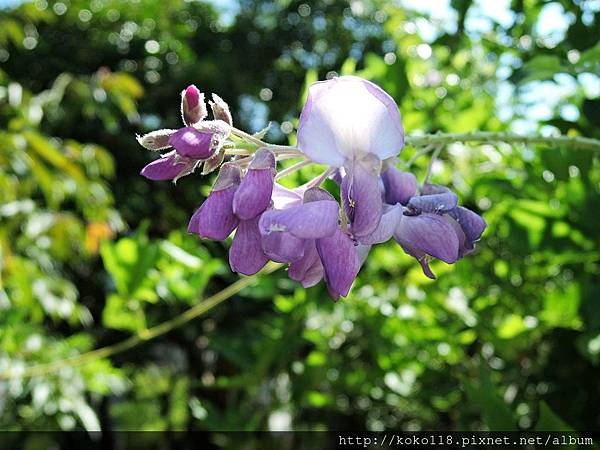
215,218
306,234
433,225
198,140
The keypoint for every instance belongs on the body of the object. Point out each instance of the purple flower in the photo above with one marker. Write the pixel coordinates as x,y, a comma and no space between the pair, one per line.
347,118
355,128
246,255
308,236
340,262
191,143
434,226
254,194
168,167
284,231
352,123
215,218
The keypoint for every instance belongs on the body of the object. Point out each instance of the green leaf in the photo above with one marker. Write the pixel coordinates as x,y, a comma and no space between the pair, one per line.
561,307
549,421
123,314
129,260
512,326
495,412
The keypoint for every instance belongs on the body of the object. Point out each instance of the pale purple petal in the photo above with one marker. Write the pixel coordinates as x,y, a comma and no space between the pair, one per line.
340,263
246,255
362,199
254,194
348,117
429,189
313,275
307,221
166,168
435,203
420,256
215,218
337,176
464,247
284,198
282,246
308,270
472,224
192,143
391,216
363,252
399,186
229,175
429,233
316,194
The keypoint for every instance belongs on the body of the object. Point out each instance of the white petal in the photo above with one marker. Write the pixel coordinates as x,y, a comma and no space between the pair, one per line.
347,118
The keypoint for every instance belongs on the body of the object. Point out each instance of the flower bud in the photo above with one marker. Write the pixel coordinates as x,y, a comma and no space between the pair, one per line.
215,218
193,108
254,194
156,140
220,109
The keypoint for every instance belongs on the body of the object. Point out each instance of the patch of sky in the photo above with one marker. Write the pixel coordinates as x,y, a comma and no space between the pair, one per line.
552,24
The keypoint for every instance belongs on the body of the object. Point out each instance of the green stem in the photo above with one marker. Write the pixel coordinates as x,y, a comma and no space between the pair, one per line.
294,168
483,137
237,152
144,335
434,157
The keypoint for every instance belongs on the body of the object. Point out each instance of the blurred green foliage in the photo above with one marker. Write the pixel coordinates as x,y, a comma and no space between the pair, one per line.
90,252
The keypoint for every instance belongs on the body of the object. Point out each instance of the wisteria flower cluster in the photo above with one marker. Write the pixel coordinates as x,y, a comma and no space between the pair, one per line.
354,128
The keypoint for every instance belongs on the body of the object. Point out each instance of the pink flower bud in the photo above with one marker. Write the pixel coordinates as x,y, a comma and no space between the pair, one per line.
193,108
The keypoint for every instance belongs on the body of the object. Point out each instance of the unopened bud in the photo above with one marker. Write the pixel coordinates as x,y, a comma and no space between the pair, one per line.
193,108
254,194
220,109
215,218
156,140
